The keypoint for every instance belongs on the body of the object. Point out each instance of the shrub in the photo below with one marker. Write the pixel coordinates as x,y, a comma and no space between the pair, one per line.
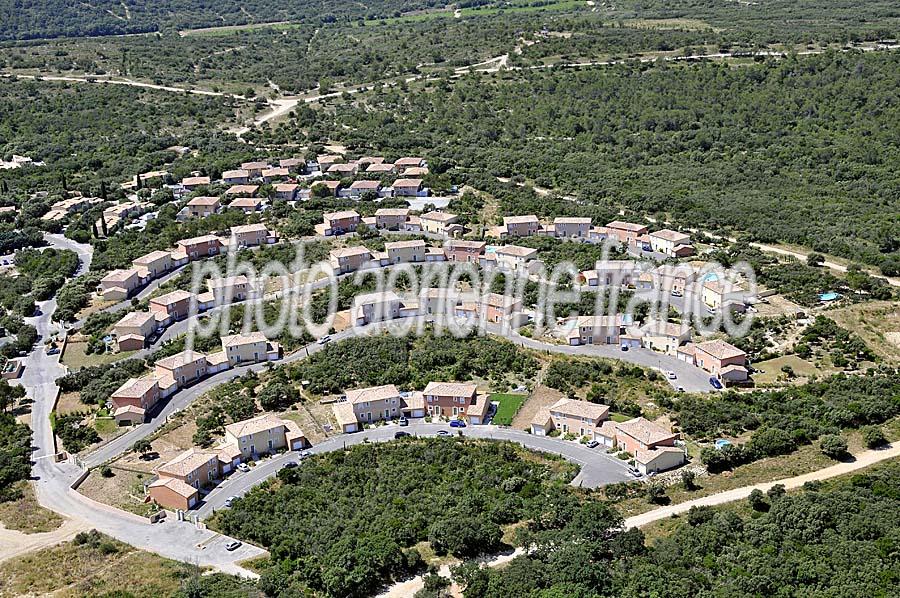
833,446
873,436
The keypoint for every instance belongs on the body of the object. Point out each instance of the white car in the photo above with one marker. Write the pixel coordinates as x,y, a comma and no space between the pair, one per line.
243,467
671,375
324,340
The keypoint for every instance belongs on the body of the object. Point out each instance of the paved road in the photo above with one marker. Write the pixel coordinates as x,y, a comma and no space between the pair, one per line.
85,252
52,481
597,467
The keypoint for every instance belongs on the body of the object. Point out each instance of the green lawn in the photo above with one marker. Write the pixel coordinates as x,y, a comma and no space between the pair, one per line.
509,406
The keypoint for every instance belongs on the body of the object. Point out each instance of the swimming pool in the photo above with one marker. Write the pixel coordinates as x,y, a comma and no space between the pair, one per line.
829,296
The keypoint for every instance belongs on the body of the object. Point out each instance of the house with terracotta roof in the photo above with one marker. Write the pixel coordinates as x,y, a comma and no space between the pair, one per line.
406,252
229,289
133,330
255,168
200,247
612,273
201,207
248,205
496,308
390,218
449,399
195,467
184,368
343,170
723,360
338,223
252,347
367,405
331,187
293,164
286,191
568,227
349,259
626,233
652,446
252,235
671,243
509,257
171,306
596,330
414,172
408,188
359,188
718,295
438,222
381,169
264,435
272,174
409,162
141,394
464,251
581,418
663,336
236,177
173,494
119,284
326,160
153,265
520,226
375,307
192,182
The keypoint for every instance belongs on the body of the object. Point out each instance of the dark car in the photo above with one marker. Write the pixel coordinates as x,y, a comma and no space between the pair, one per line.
289,465
401,434
715,382
443,433
457,423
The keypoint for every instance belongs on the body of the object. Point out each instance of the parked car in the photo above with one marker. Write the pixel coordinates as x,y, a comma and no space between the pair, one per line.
289,465
671,375
233,545
53,351
634,472
401,434
304,454
403,421
443,433
230,501
624,347
680,389
593,443
243,467
457,423
325,339
715,382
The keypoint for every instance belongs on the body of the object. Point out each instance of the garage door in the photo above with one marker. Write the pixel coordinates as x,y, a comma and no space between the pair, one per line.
537,431
297,445
474,420
350,428
192,501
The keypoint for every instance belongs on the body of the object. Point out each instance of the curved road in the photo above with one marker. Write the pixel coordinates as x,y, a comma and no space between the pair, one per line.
52,481
597,467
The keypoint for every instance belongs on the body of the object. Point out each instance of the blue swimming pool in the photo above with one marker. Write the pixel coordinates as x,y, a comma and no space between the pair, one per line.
711,277
829,296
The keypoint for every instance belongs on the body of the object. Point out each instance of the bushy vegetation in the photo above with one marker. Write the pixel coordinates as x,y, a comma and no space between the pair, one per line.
343,523
783,420
411,362
15,442
703,144
74,433
828,539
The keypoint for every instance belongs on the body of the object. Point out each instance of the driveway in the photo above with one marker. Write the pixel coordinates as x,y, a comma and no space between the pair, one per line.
597,467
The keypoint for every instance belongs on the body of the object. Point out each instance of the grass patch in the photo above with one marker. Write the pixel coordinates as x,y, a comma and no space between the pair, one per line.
508,407
24,514
124,490
619,417
877,323
75,357
771,370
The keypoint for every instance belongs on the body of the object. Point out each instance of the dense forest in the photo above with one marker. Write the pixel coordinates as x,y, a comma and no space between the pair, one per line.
60,18
345,522
834,539
796,150
15,442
